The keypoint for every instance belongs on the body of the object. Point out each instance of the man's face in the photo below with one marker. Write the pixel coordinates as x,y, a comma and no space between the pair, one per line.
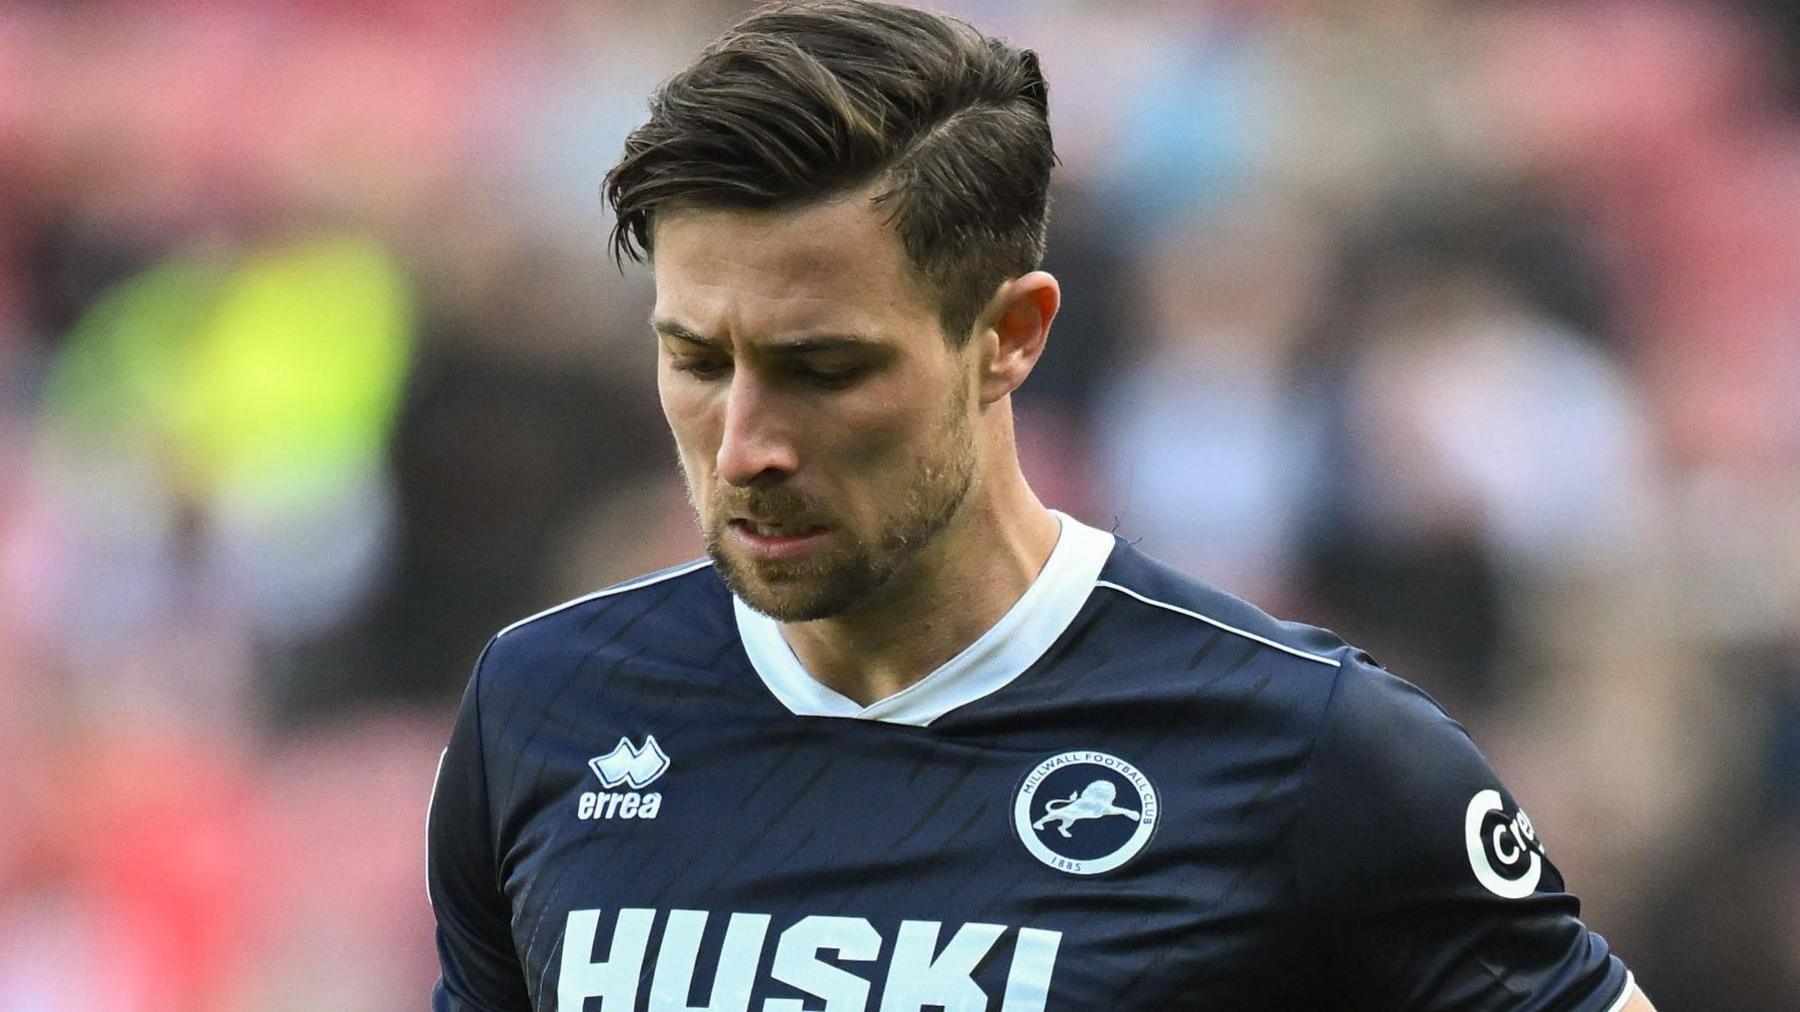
826,428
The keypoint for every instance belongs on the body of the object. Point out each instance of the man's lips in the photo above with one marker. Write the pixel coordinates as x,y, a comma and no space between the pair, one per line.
776,528
776,542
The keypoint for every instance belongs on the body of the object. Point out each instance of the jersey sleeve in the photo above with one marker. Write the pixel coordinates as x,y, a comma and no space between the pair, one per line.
479,968
1422,884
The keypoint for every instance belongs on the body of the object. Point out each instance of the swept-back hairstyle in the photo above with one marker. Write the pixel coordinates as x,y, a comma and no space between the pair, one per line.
802,101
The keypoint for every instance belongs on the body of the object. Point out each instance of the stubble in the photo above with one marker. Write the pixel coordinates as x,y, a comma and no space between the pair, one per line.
855,570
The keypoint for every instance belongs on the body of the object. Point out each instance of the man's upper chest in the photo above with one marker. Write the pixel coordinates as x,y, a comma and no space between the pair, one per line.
1027,861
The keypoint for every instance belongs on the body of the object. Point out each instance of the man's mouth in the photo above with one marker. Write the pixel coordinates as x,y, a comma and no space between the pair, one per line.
777,529
777,541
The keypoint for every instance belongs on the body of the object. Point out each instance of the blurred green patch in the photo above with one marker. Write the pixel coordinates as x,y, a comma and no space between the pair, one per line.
270,379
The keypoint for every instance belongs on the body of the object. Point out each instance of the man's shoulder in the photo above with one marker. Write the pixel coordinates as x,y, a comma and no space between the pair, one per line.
644,615
632,594
1361,695
1163,601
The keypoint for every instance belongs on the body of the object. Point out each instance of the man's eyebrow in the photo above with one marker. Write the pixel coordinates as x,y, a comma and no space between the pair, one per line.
824,342
798,346
680,333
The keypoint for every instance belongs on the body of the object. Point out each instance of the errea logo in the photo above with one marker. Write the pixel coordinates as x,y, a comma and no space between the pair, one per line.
633,766
629,764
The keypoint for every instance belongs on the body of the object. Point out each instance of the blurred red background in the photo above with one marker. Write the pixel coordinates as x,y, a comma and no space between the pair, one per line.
1470,330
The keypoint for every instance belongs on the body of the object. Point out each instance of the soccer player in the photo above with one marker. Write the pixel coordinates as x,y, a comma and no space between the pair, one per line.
907,739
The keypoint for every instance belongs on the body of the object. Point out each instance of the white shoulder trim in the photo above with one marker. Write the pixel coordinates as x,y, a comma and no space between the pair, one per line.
642,581
1284,648
1625,992
430,801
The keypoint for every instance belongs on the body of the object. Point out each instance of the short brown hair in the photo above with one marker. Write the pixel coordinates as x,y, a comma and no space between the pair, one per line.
801,101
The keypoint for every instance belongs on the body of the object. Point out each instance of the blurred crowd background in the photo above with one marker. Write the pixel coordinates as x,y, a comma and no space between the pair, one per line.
1468,329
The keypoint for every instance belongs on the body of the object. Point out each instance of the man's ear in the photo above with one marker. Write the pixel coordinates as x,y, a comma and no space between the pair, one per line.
1012,332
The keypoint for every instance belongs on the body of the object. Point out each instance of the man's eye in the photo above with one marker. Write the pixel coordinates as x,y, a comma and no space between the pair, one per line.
833,379
702,368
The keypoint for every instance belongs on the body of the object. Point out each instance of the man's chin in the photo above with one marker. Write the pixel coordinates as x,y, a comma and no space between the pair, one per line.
787,602
775,589
786,592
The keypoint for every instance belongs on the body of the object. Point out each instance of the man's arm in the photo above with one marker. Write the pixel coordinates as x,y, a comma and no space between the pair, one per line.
1423,884
480,970
1638,1002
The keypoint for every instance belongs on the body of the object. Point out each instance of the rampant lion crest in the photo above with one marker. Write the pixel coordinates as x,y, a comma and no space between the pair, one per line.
1091,802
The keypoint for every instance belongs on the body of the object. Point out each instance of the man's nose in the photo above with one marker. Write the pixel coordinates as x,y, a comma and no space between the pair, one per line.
757,447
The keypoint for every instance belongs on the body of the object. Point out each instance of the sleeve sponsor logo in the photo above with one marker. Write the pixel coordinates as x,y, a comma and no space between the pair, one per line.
1504,851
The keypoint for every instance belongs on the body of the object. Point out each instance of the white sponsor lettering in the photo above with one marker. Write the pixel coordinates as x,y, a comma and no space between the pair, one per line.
614,980
744,935
919,975
917,979
797,963
1504,849
1034,957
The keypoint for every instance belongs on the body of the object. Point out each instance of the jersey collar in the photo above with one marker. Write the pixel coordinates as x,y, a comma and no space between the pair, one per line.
1000,655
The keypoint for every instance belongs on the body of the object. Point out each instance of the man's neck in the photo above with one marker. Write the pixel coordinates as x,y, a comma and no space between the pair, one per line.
966,582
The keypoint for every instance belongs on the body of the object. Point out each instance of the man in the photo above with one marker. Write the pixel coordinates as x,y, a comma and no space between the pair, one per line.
908,739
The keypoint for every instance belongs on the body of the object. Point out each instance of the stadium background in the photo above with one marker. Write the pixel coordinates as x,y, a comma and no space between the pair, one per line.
1471,330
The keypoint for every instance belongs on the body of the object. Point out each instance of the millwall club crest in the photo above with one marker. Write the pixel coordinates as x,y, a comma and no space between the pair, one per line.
1085,812
628,764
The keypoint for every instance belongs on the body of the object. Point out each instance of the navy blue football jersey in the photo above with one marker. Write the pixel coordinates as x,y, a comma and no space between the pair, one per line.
1134,792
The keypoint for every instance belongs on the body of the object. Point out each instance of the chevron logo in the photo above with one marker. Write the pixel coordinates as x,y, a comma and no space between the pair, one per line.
631,764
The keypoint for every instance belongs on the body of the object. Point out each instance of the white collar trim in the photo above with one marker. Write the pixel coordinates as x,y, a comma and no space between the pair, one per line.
983,667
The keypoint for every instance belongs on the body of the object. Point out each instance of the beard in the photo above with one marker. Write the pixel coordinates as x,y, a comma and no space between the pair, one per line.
855,569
